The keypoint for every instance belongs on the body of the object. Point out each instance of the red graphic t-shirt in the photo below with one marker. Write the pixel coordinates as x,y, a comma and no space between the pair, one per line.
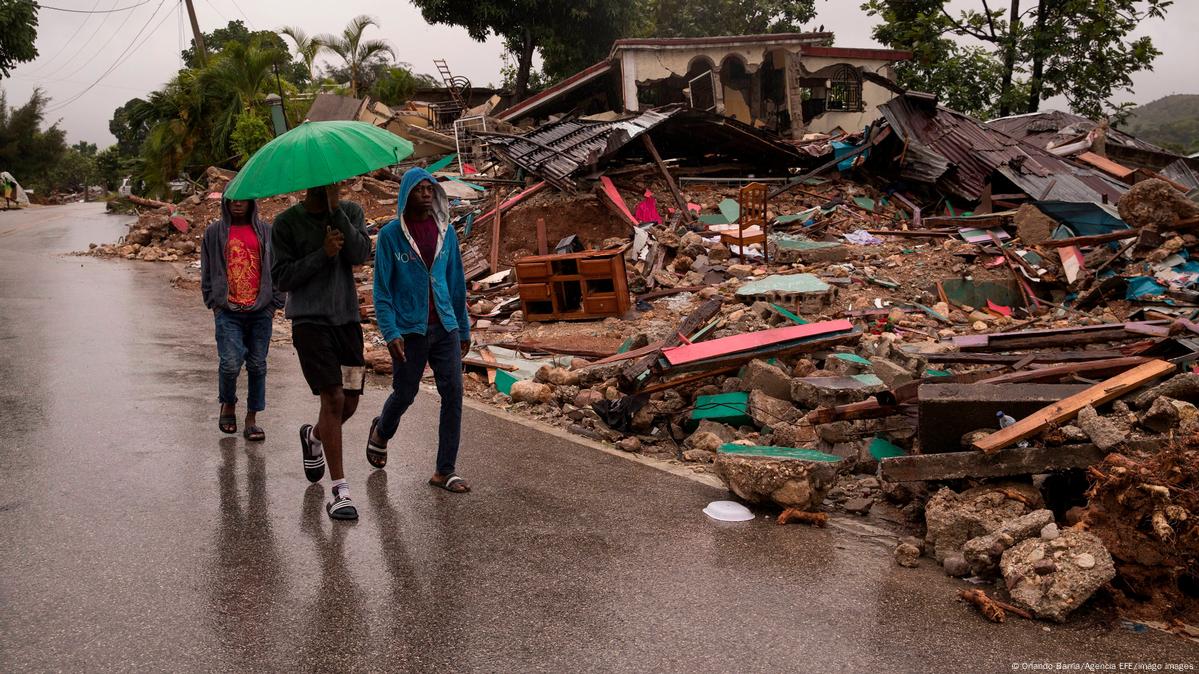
425,233
243,264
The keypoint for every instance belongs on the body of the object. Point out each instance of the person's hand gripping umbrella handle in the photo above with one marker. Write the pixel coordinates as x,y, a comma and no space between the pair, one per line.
334,239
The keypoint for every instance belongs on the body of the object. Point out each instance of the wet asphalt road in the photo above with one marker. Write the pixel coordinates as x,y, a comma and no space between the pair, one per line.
137,537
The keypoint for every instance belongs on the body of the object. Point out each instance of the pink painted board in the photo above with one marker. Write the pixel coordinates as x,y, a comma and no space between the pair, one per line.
614,196
749,341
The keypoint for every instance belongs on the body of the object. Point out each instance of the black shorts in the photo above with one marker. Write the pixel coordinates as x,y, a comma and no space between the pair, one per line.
330,355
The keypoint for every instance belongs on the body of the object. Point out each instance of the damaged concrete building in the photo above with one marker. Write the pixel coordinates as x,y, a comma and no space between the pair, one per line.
789,83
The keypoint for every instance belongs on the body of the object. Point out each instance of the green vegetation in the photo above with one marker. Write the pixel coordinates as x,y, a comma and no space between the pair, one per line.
1171,122
18,32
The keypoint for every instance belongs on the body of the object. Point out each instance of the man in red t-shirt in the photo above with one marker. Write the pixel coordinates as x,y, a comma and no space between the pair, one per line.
235,279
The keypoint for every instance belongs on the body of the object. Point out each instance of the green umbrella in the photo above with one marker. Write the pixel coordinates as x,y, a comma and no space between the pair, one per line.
314,154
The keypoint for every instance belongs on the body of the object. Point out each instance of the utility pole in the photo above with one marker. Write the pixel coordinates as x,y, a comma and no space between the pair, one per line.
197,36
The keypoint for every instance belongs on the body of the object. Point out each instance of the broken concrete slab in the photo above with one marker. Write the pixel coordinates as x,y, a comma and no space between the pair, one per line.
768,411
1081,565
949,411
1004,463
1033,226
792,478
983,552
804,291
951,518
798,435
1105,434
891,373
813,392
798,249
758,375
1183,387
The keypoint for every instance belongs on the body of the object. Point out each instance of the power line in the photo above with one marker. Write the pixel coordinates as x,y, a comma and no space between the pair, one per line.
132,47
103,11
99,29
243,14
69,41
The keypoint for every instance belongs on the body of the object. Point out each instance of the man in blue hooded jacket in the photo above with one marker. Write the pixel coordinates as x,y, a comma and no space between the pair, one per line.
420,305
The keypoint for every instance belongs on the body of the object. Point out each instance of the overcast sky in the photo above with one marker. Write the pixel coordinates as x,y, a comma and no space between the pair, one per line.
77,50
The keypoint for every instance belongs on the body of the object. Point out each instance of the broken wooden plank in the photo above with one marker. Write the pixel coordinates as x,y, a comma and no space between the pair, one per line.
818,343
1048,374
489,357
494,258
627,355
477,362
1003,463
1091,240
679,199
543,246
632,373
510,203
1064,410
687,379
1012,341
608,189
867,409
726,346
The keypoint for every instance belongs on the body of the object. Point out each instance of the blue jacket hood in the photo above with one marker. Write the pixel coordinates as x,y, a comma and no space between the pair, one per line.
441,202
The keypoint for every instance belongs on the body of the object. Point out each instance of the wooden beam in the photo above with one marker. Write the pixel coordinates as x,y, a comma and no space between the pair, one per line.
674,188
1005,462
688,379
632,373
1065,410
543,246
867,409
1091,240
494,259
1048,374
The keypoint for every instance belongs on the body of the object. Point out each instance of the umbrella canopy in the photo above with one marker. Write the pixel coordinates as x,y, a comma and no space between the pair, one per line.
314,154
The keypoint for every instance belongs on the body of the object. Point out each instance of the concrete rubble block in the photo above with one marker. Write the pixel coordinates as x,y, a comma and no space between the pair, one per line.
1105,434
859,505
629,445
1033,225
793,435
758,375
1183,387
951,518
703,441
836,431
722,431
1162,416
795,249
770,411
587,397
806,292
893,374
950,411
813,392
983,552
955,565
907,555
791,478
847,364
531,392
698,455
1155,203
1081,565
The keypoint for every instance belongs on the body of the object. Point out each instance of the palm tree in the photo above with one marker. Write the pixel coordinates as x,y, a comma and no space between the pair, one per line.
244,69
353,49
307,48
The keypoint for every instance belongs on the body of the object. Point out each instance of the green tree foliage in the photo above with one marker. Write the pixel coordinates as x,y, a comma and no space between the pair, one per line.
85,148
129,136
397,84
18,32
681,18
74,171
1031,50
28,151
307,48
237,33
354,50
111,167
570,35
250,133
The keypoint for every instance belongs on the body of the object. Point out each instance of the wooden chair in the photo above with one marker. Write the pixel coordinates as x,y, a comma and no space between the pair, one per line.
752,202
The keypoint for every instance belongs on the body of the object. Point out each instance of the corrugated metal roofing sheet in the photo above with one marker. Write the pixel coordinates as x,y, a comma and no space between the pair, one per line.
960,155
1039,128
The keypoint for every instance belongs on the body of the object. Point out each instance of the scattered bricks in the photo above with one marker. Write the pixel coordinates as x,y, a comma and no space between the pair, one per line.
1105,434
1081,565
769,412
907,555
949,411
792,478
813,392
531,392
892,374
1180,387
758,375
951,519
983,552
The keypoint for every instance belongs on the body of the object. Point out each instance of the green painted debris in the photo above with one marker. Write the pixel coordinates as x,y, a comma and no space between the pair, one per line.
723,408
504,382
852,358
931,312
864,202
713,219
884,282
441,163
730,209
796,217
788,315
789,283
787,242
937,373
976,293
778,453
624,348
882,449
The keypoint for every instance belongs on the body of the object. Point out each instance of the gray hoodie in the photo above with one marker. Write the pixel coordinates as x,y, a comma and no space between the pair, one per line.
214,279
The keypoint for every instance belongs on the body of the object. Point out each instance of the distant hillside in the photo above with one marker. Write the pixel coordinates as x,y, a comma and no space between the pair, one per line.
1171,122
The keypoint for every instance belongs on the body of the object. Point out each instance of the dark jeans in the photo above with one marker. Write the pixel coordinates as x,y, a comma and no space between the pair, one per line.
243,337
442,351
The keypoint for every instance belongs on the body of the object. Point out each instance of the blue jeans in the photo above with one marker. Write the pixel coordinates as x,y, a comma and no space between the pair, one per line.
442,351
243,337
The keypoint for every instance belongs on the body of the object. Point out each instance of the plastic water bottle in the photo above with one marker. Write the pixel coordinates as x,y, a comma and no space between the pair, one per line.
1004,422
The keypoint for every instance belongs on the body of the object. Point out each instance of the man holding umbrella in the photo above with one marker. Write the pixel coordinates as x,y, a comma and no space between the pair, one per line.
316,245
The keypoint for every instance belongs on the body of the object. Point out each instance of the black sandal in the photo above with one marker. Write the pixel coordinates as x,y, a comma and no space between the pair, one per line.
451,481
254,434
375,455
227,424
